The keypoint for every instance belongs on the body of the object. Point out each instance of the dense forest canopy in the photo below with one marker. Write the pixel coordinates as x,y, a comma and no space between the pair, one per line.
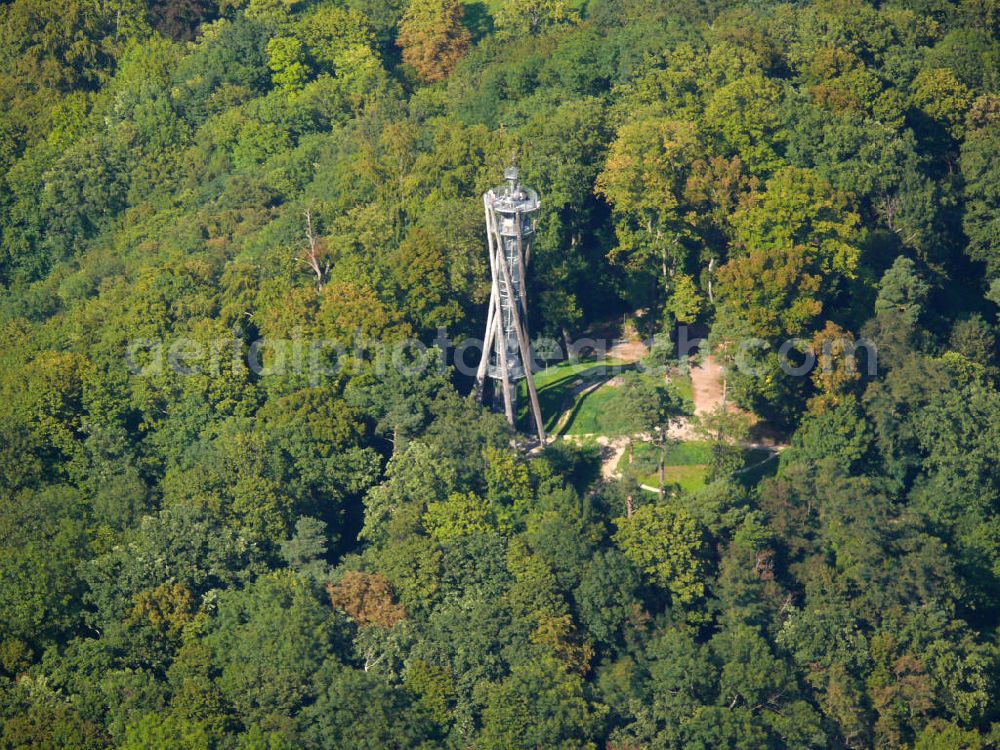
229,559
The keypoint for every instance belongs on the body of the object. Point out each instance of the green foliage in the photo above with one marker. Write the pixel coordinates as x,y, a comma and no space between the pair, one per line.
351,551
268,643
685,302
517,17
745,116
457,516
42,593
667,545
286,58
539,705
154,731
358,709
978,163
306,550
902,291
798,208
607,596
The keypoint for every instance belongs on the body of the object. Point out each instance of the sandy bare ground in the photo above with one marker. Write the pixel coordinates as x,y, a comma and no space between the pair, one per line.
628,351
611,454
707,385
612,449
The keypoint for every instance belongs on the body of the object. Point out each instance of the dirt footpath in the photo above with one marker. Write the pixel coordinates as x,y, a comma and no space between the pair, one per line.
707,385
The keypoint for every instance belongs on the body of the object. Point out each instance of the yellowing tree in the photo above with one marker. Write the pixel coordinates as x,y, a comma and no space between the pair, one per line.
769,293
643,179
366,598
943,98
799,208
286,59
837,370
516,18
433,38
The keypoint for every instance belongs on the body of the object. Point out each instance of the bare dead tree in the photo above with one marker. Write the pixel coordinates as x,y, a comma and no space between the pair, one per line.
887,206
314,254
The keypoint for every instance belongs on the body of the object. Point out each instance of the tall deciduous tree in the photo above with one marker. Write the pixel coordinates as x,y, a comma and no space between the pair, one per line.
980,163
643,179
665,542
433,38
521,17
649,406
800,208
769,293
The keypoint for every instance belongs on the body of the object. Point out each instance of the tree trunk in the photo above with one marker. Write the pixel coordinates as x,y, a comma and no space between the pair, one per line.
661,467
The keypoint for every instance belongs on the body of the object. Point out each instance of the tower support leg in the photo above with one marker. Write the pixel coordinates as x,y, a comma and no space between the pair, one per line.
522,339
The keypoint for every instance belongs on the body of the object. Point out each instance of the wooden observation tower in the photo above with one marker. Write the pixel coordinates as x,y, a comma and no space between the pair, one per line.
511,211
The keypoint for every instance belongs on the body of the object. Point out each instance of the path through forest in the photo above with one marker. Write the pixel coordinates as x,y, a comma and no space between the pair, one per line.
707,392
708,388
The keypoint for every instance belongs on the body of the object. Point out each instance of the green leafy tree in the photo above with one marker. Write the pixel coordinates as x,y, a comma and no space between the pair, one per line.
33,715
286,59
942,98
800,209
649,406
359,709
769,294
458,515
667,545
643,179
727,431
902,291
539,705
268,642
745,116
166,731
685,302
982,201
306,551
607,597
329,32
41,598
518,17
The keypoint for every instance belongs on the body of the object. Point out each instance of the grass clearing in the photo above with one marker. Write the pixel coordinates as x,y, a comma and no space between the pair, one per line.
561,389
682,382
686,465
686,478
557,383
596,412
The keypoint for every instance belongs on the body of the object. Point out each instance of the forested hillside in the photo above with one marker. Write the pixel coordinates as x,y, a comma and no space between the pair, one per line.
206,555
